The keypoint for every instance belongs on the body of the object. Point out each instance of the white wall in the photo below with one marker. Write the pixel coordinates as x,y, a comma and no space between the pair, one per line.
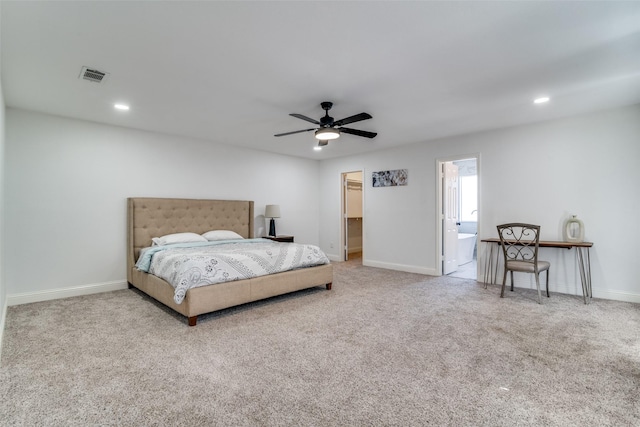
3,289
67,182
541,173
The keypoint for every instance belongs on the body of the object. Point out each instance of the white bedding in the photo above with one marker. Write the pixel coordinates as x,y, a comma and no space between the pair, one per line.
188,266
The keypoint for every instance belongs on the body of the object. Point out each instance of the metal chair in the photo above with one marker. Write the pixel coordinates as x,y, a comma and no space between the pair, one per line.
520,247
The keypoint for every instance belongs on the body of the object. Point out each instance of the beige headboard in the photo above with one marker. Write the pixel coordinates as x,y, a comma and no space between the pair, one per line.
153,217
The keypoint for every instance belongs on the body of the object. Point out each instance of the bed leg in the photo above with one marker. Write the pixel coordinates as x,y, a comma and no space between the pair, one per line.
193,320
329,286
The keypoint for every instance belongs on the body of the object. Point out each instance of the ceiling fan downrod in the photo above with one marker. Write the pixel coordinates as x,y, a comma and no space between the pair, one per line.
326,121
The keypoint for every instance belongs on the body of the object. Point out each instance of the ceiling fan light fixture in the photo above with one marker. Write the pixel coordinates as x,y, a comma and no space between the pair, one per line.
326,134
329,129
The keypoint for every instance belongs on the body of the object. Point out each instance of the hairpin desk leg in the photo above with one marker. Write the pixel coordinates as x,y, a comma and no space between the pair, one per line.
584,265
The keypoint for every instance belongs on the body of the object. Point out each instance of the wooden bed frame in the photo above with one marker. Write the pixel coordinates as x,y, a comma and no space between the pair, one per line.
155,217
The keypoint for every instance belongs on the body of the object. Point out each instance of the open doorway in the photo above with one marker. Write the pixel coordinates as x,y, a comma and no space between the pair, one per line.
352,214
458,202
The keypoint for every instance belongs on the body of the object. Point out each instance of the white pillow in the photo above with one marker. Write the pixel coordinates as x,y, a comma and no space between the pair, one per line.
178,238
221,235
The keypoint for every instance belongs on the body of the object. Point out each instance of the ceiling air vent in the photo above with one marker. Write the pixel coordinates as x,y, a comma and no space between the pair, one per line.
93,75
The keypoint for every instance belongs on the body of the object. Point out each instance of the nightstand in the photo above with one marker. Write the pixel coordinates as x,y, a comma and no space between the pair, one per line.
281,238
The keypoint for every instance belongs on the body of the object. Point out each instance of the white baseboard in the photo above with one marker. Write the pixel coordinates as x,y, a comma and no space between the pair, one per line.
334,257
617,296
401,267
390,266
576,289
29,297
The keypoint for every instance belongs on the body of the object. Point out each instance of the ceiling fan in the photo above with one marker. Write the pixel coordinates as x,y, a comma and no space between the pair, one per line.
330,129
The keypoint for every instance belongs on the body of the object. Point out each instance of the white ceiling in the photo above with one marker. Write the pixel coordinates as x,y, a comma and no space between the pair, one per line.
231,72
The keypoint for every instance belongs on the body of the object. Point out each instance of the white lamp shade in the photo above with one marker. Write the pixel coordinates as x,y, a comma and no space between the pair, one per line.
272,211
325,134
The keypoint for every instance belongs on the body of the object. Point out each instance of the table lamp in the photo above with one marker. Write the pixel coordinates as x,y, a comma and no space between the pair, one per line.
272,211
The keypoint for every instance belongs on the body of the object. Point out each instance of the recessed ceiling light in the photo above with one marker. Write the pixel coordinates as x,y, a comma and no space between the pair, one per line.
121,107
541,100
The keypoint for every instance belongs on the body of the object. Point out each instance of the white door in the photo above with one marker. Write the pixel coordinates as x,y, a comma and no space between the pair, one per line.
450,217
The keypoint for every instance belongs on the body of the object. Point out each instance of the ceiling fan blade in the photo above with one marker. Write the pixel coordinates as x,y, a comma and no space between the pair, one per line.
300,116
352,119
359,132
295,131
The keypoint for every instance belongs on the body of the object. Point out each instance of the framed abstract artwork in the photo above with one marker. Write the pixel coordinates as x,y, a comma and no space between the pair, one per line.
390,178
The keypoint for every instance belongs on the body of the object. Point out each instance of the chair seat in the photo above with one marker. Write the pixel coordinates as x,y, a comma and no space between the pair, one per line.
527,267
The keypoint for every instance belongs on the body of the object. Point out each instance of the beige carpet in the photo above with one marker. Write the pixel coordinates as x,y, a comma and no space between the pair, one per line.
382,348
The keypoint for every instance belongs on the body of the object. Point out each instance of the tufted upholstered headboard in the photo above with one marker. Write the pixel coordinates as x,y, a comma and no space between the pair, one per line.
154,217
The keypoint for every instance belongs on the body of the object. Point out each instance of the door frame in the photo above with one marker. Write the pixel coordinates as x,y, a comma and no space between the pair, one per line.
439,203
344,255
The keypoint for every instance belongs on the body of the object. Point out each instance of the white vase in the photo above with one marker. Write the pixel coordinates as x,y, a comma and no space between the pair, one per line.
573,230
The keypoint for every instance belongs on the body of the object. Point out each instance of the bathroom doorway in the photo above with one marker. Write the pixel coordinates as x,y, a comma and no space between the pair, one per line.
458,200
352,214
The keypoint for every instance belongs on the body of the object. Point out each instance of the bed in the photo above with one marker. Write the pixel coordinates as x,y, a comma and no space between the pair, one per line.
153,217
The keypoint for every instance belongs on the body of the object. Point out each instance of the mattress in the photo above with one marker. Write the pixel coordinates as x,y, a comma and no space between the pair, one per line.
190,265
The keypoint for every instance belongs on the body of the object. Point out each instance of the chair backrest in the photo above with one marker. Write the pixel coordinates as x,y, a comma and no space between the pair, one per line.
519,241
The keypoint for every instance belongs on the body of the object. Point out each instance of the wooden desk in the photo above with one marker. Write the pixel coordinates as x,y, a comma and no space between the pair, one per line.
582,254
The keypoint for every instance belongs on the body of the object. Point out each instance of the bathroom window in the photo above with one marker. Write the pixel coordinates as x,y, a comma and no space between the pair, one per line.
468,197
